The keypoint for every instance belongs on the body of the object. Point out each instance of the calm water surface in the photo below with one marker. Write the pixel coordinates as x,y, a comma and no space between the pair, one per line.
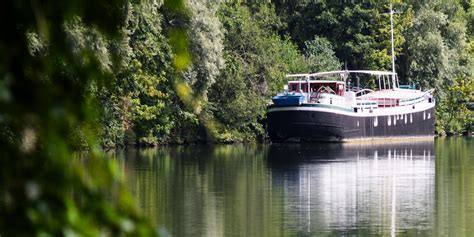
403,189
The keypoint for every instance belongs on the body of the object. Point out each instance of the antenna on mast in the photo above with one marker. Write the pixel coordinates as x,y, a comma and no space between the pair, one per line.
393,51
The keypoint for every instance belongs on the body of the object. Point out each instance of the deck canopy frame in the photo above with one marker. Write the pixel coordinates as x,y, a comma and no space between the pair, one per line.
383,77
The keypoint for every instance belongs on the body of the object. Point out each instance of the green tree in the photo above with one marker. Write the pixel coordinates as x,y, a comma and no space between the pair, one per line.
145,84
194,123
206,46
454,117
359,32
439,58
257,59
436,46
320,55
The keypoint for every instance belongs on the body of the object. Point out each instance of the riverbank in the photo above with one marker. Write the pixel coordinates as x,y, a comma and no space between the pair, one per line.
267,141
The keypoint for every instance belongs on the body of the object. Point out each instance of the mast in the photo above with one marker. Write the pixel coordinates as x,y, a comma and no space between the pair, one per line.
393,51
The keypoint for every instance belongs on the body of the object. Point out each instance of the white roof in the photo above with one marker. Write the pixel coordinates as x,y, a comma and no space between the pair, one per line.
329,73
318,81
376,73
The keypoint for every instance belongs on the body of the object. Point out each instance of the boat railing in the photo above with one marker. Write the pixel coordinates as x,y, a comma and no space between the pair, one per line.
393,102
385,102
354,88
314,97
363,92
367,104
411,101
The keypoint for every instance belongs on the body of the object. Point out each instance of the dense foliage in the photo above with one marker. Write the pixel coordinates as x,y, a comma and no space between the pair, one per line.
438,57
239,54
238,60
257,59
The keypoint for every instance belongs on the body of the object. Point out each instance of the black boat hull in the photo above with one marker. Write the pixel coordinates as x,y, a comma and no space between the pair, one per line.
294,124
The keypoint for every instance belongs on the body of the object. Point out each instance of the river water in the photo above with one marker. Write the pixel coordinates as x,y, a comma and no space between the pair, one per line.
421,188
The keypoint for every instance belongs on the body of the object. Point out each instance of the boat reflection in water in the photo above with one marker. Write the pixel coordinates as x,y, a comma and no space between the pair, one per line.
355,188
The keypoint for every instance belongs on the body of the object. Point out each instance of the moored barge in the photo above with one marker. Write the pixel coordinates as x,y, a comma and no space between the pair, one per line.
324,107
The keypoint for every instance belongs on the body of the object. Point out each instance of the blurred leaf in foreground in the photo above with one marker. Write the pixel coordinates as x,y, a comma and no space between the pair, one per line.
54,55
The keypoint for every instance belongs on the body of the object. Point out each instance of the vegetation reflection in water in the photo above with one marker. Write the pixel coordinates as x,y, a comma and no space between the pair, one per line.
418,188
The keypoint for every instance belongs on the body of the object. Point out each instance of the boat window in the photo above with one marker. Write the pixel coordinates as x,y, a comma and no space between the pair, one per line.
293,87
327,87
304,87
316,86
340,90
